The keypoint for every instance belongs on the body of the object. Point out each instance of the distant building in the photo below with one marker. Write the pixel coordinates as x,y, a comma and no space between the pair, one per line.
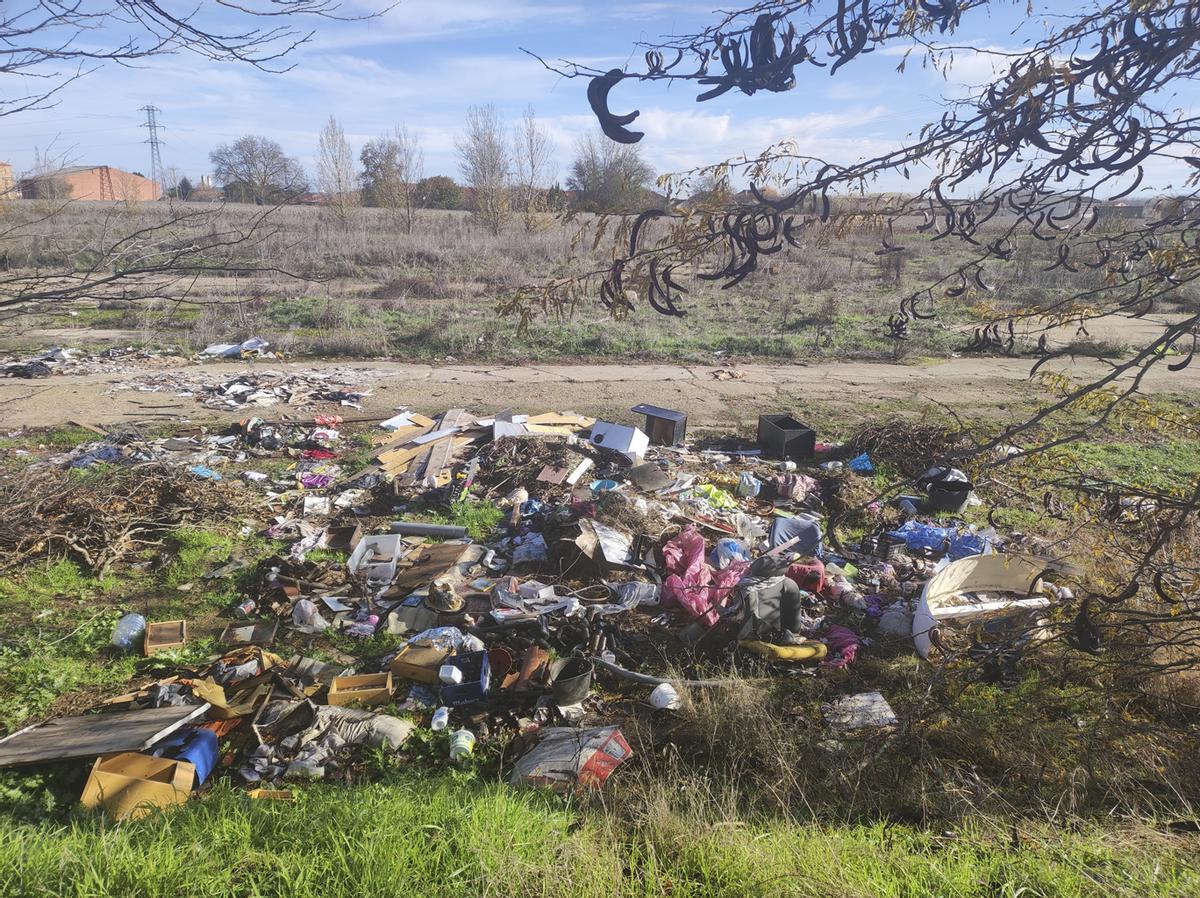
7,186
91,182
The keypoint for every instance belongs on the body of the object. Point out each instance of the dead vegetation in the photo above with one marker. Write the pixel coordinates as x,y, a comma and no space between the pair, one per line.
101,518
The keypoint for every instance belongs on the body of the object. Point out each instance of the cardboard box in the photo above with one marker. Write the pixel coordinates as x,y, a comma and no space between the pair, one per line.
362,689
131,784
419,662
171,634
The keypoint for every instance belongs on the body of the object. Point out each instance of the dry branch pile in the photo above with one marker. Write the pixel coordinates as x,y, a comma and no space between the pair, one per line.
99,521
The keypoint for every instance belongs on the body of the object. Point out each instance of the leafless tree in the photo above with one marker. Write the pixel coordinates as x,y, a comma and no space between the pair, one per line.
256,169
608,177
336,178
533,158
486,166
392,168
45,45
1072,120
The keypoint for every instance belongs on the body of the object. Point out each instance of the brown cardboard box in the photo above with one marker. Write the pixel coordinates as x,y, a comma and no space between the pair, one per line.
364,689
130,784
419,662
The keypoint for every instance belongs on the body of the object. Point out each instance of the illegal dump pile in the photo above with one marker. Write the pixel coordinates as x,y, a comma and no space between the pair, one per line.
542,586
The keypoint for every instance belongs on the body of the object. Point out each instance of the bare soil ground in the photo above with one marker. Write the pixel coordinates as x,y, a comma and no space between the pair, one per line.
971,386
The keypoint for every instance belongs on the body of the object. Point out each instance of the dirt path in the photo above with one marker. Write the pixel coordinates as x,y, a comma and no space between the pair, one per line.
970,385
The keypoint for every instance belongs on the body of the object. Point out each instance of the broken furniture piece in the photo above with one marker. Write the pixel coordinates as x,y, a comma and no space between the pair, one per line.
131,785
65,738
664,426
783,437
945,596
164,635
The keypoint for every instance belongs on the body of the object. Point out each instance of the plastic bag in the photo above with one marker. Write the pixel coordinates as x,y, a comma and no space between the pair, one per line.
861,464
307,618
638,593
748,486
726,552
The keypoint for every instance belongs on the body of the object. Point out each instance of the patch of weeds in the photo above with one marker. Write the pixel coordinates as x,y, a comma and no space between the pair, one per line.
36,584
196,551
1090,347
37,666
66,437
480,518
321,555
1169,465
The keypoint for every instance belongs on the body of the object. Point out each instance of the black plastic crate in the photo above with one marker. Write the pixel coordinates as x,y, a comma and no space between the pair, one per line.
783,437
477,676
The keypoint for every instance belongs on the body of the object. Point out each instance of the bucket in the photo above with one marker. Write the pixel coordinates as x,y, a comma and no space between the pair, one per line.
571,680
500,660
462,743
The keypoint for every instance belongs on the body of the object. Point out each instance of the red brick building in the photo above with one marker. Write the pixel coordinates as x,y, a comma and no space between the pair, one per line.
91,182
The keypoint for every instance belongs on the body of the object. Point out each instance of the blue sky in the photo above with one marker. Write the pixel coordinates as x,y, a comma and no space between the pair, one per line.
423,63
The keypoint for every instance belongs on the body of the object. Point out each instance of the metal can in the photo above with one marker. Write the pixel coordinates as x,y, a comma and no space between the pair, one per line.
246,608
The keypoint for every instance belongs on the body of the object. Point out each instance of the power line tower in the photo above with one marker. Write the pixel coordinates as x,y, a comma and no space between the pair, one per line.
152,125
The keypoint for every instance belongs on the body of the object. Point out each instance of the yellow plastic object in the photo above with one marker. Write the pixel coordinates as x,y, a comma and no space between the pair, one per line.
810,651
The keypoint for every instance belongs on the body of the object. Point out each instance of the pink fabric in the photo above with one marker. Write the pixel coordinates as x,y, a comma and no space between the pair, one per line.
843,644
692,585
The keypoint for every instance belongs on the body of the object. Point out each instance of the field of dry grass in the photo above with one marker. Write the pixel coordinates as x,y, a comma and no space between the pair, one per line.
366,288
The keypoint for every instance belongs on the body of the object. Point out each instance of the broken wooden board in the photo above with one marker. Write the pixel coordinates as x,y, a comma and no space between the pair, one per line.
400,436
65,738
431,563
553,419
249,633
439,458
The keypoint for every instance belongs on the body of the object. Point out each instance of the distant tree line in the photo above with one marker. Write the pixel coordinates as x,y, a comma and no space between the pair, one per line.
506,172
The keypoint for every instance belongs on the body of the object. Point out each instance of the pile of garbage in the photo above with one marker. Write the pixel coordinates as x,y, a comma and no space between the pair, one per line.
257,388
620,552
58,360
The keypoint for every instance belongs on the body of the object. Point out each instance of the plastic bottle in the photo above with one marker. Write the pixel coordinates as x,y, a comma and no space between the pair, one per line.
441,718
128,631
462,743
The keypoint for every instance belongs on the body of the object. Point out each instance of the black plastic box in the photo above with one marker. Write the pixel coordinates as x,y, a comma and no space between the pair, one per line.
783,437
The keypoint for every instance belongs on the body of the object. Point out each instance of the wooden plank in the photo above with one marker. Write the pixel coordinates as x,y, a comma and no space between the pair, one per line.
398,437
65,738
554,419
440,457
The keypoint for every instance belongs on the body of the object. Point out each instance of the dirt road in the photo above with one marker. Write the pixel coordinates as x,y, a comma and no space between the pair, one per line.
970,385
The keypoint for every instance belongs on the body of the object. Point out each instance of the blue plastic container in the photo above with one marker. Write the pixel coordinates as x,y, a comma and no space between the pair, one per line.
191,744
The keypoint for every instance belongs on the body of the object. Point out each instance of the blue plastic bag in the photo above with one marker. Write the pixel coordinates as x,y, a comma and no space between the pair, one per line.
861,464
726,552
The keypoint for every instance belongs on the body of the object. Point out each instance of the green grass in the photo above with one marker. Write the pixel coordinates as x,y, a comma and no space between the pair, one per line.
480,518
1167,464
54,655
447,837
39,582
196,551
